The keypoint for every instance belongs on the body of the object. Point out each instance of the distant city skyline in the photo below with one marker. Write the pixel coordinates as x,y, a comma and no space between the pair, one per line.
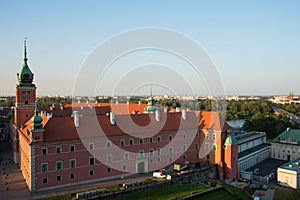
255,45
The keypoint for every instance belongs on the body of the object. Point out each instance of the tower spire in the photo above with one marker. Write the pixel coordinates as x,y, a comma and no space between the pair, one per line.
25,76
150,90
25,50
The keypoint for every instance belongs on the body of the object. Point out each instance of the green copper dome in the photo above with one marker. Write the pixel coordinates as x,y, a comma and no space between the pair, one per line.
36,120
151,104
230,140
151,98
150,108
25,76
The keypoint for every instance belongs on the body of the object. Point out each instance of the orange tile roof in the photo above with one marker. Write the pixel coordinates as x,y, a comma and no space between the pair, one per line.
93,121
213,121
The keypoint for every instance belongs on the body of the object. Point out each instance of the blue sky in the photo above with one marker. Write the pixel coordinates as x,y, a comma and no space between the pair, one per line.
255,45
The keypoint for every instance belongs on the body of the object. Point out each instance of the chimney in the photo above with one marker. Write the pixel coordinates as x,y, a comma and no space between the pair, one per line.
183,114
76,118
139,103
49,115
42,113
157,115
177,109
112,118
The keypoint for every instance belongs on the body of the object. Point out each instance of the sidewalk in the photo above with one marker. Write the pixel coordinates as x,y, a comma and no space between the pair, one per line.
12,183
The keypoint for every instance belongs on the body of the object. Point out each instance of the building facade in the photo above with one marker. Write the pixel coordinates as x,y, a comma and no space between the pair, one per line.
286,146
289,174
66,145
252,148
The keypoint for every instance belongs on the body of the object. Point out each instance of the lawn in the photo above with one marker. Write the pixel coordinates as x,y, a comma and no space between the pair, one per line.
165,192
217,194
62,197
286,195
225,192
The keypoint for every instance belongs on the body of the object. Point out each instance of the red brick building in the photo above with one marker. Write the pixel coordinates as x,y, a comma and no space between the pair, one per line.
89,142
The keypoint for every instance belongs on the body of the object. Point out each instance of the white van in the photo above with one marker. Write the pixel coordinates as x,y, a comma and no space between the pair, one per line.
158,175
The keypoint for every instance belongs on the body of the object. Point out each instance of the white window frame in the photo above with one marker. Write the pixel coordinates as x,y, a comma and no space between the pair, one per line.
56,164
91,146
46,164
108,144
126,155
44,179
170,150
90,161
73,159
71,148
207,136
207,146
46,149
60,178
151,152
158,139
109,158
141,153
158,151
122,143
60,149
184,148
214,136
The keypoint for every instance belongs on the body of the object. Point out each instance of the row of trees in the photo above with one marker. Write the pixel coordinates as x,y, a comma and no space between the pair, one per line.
292,108
272,124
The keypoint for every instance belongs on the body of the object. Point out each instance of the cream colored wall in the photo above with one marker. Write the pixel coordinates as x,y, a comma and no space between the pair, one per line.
281,151
287,178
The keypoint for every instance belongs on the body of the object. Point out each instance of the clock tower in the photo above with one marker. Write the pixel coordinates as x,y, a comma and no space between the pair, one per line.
25,94
24,106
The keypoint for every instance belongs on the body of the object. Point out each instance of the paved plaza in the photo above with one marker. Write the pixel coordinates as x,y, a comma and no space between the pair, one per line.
267,167
12,183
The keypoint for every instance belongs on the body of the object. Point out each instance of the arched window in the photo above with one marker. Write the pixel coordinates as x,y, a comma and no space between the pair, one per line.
108,144
122,143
